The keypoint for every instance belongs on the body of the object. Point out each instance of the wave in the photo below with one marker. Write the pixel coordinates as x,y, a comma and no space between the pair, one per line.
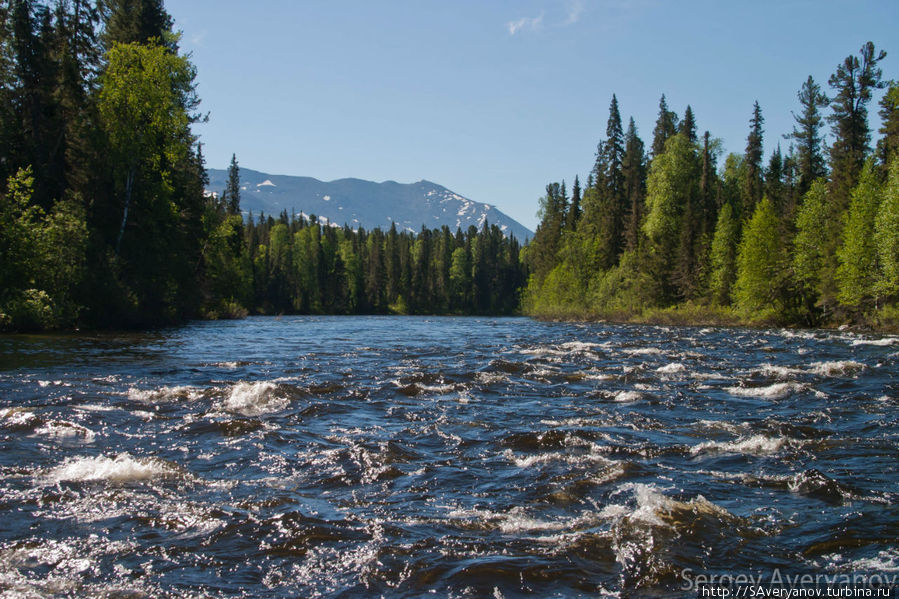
836,368
775,391
163,394
757,445
122,468
255,399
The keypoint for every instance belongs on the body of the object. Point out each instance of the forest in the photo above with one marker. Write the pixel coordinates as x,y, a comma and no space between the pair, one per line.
105,221
670,233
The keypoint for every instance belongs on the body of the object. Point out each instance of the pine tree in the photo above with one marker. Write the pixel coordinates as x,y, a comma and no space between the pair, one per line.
753,185
853,83
807,134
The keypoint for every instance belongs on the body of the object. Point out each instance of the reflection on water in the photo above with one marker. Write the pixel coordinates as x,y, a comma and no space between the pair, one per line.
344,457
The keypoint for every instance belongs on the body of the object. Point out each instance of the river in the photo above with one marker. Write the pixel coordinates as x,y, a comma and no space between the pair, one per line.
448,457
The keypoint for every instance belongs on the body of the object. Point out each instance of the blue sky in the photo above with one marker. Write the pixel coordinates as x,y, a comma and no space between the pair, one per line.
494,99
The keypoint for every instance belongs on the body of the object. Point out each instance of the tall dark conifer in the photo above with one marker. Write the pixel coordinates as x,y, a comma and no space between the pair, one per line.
574,209
807,134
688,125
666,127
232,190
753,184
610,207
854,81
137,21
633,169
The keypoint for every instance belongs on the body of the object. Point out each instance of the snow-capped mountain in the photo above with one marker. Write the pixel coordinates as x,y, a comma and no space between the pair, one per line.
366,204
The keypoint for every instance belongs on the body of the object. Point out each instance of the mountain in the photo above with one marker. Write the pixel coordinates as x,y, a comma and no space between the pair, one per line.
366,204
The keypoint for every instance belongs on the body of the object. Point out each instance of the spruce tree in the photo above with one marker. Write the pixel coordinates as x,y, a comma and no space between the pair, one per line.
753,184
137,21
574,210
688,125
807,134
666,127
633,169
232,189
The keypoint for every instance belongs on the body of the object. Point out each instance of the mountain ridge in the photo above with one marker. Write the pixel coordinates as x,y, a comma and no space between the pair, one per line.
367,204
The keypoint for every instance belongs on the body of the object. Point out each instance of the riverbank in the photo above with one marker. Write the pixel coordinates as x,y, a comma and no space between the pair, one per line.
883,320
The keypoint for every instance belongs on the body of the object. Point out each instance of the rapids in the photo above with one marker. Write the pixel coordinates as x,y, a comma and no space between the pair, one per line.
449,457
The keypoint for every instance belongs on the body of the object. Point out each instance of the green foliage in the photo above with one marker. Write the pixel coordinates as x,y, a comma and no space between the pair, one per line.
812,267
760,263
42,257
857,270
723,256
886,235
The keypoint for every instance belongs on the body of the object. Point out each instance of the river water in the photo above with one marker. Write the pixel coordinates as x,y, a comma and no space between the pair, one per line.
448,457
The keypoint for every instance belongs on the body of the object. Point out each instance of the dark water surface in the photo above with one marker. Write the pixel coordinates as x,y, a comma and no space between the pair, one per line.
448,457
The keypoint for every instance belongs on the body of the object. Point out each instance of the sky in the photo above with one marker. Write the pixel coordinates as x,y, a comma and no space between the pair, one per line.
494,99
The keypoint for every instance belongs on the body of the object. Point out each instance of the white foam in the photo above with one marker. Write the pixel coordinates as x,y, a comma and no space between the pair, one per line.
162,394
59,429
254,399
628,396
673,368
758,445
775,391
122,468
885,341
780,372
838,368
643,351
17,417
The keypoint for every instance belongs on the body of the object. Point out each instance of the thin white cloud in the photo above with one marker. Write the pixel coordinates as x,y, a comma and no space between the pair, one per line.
525,24
575,10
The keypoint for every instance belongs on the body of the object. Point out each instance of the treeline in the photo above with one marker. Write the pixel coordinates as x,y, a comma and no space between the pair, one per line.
811,237
295,264
104,220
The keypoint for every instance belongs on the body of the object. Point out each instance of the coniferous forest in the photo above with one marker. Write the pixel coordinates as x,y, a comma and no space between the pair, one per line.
670,232
104,218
